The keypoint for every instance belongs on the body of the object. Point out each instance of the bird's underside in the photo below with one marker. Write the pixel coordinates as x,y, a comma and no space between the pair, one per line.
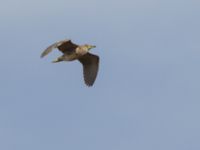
89,61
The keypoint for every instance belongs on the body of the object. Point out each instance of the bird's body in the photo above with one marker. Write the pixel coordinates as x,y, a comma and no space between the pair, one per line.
72,52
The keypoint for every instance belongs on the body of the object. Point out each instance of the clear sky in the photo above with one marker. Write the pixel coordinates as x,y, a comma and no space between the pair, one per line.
147,93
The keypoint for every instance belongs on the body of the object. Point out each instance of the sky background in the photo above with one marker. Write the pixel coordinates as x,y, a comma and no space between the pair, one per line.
147,93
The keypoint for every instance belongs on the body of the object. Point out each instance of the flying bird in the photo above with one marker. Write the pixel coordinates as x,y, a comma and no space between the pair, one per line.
71,51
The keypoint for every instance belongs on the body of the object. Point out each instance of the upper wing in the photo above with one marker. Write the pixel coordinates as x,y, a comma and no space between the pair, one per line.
58,45
67,47
90,64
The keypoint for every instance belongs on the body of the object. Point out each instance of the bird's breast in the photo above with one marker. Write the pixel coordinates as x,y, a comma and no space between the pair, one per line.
79,52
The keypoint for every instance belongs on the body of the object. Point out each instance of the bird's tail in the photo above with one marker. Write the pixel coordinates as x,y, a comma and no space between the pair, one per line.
56,60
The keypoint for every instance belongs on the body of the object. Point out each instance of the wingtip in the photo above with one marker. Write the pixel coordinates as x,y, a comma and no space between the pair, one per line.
88,85
42,55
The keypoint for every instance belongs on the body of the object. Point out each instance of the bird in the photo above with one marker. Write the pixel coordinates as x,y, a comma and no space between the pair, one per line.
71,52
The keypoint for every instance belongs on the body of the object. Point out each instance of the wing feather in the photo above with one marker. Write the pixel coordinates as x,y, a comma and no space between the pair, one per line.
67,47
53,46
90,64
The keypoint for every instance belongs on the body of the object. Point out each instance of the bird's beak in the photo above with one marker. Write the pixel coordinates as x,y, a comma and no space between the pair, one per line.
92,46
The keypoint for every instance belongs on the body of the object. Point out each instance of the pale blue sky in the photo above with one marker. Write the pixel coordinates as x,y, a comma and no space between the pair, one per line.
147,93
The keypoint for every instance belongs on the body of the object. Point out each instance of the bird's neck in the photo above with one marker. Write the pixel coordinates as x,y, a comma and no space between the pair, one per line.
81,50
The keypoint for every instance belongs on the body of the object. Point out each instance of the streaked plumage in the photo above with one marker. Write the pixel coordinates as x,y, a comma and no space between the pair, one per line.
72,52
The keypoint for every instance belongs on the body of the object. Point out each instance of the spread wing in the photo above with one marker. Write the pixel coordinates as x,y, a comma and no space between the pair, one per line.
90,64
63,46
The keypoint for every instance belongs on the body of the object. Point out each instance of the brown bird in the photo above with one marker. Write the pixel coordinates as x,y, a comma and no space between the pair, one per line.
72,52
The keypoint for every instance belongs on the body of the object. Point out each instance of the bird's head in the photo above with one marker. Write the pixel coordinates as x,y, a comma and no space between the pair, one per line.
89,47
